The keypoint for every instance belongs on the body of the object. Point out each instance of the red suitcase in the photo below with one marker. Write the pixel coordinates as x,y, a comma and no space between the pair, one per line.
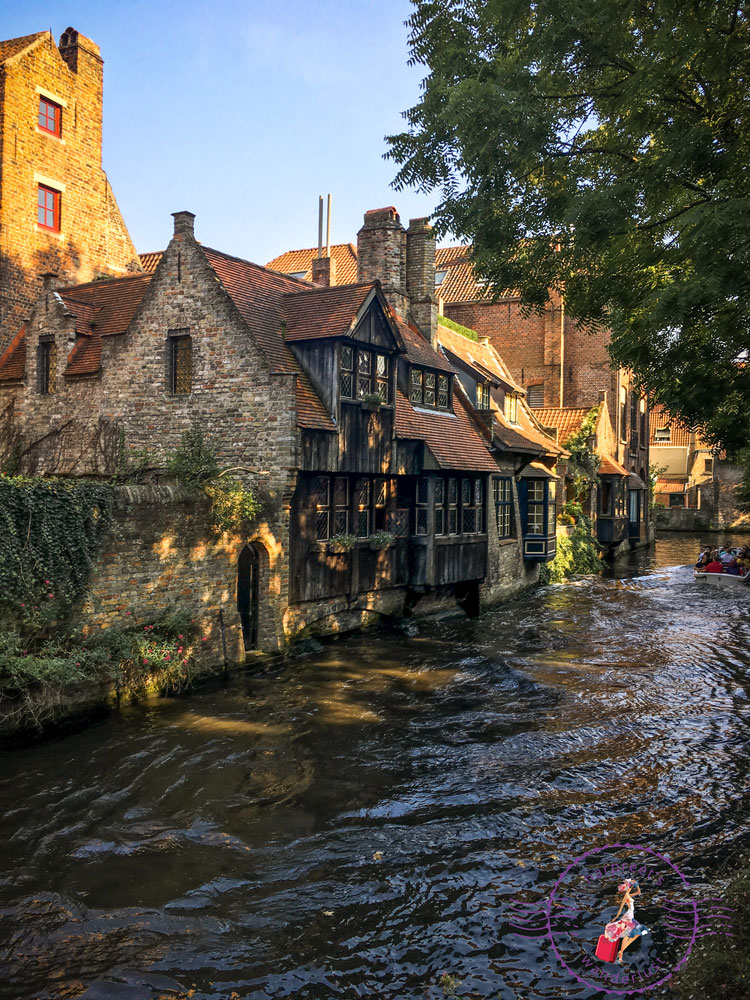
606,949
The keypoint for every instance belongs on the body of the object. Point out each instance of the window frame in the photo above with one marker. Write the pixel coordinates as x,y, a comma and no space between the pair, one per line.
502,495
174,340
428,380
511,407
44,208
378,374
536,388
662,435
47,366
44,103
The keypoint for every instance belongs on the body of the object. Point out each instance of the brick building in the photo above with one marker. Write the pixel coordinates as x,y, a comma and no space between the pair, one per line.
386,486
57,210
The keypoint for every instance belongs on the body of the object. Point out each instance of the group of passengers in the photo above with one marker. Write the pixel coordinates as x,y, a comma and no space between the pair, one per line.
726,559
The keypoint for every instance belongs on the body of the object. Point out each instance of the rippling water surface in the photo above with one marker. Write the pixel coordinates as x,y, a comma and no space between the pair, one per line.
227,842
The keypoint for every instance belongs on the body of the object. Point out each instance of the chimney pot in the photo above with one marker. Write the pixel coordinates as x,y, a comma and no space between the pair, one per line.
381,255
49,280
184,223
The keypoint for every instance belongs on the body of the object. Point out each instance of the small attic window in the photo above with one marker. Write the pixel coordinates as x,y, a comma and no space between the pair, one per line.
440,277
297,274
50,116
535,395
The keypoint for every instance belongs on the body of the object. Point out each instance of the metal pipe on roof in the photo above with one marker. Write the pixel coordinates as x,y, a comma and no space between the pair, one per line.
320,225
328,229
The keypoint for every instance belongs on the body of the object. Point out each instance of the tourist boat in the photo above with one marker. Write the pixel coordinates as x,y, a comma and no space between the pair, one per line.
723,579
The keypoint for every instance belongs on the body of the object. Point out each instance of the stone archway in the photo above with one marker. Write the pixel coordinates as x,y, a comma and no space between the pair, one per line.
248,603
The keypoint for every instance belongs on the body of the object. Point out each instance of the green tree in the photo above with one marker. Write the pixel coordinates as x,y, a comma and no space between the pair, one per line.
601,149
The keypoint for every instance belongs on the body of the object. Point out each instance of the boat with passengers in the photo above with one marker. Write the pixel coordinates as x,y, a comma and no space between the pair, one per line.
727,566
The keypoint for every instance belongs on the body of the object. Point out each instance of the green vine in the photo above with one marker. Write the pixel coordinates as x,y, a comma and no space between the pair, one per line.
577,554
583,464
194,463
50,534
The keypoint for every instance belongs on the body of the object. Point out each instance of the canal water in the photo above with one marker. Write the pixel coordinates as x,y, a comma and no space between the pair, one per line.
360,822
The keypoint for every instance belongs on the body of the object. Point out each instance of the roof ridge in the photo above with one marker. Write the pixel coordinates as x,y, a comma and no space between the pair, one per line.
105,281
319,289
258,267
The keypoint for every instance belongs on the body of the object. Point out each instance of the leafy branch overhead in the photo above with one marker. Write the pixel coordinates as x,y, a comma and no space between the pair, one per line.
603,150
195,464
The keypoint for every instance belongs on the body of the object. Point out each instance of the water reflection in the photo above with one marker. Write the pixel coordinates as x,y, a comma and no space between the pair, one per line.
357,823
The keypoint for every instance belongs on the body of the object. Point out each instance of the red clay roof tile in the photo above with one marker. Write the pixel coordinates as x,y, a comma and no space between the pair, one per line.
679,436
324,312
451,438
567,419
611,467
300,262
108,305
13,358
149,261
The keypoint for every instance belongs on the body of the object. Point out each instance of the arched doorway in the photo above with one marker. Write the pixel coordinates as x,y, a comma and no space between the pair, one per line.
248,566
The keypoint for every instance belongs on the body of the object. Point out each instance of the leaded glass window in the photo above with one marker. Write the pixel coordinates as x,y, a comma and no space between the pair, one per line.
503,497
429,388
363,508
180,364
442,392
340,506
364,373
322,498
416,385
347,372
439,506
47,367
381,376
422,507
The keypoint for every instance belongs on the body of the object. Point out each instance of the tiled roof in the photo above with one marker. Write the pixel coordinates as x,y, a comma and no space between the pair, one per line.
670,486
459,284
150,260
451,438
324,312
108,305
679,436
418,350
479,355
257,293
86,356
610,467
13,358
12,46
300,261
566,419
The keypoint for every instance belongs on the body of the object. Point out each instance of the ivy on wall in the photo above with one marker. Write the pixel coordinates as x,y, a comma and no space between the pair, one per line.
583,464
50,534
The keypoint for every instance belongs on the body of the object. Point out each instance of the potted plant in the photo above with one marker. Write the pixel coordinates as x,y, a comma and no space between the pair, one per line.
341,543
380,540
372,401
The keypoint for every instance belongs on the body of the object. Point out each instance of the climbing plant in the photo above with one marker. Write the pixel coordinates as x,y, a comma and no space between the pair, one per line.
50,533
195,464
583,463
577,554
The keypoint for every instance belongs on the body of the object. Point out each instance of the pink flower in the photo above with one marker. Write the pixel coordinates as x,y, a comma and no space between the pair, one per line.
23,605
51,596
204,639
167,656
128,612
47,582
78,664
179,650
179,636
145,660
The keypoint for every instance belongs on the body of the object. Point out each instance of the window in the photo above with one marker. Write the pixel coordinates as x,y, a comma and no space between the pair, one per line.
48,208
605,497
322,497
511,407
676,499
502,490
535,395
483,396
363,508
372,374
297,274
452,507
644,421
428,388
50,116
180,363
663,434
440,507
440,277
623,414
708,466
340,506
472,506
47,367
537,500
633,422
422,507
552,511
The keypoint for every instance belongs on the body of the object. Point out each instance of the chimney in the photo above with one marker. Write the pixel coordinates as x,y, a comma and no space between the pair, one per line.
324,271
50,281
420,277
381,255
184,223
73,46
603,396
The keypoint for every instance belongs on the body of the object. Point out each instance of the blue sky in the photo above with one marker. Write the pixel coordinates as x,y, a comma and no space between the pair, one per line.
245,112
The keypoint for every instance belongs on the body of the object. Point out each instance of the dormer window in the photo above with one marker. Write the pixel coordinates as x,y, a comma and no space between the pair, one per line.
297,274
663,434
364,373
511,408
429,389
483,396
440,277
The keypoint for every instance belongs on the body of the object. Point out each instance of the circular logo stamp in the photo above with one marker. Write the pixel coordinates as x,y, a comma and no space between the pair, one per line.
591,920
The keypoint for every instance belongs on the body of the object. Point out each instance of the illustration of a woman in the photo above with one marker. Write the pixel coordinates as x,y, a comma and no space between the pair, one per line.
625,928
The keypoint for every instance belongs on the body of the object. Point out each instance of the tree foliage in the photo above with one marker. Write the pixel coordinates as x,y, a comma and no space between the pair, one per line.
601,149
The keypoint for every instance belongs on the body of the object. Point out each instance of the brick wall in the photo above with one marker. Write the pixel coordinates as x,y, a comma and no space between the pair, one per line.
93,239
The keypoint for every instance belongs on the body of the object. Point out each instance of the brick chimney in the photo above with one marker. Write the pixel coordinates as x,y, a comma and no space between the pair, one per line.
324,271
184,223
420,278
79,51
381,254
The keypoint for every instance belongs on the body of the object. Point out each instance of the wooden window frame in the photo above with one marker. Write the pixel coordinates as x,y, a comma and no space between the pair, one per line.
176,340
44,207
43,116
511,407
424,382
377,376
502,491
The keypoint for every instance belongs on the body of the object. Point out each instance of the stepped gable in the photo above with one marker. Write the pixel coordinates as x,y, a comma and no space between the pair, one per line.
13,358
451,438
300,262
257,293
318,313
